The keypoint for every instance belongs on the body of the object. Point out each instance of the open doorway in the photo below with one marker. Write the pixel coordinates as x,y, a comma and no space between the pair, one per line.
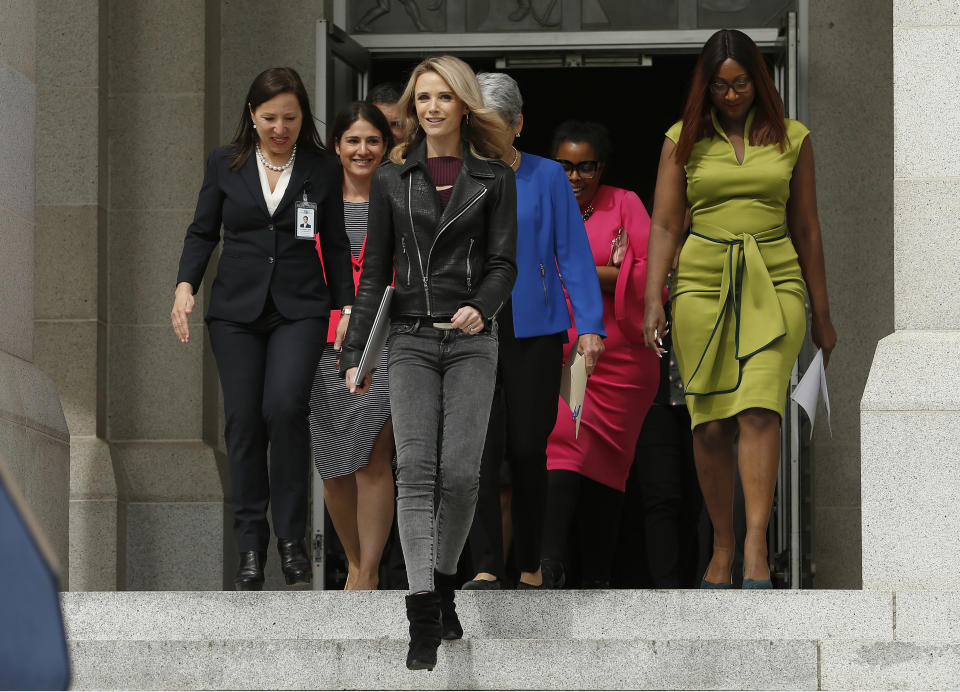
638,104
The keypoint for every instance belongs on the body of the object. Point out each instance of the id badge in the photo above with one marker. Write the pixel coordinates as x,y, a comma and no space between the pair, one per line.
306,224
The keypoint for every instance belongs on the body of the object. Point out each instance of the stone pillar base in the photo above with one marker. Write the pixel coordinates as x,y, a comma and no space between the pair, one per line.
910,463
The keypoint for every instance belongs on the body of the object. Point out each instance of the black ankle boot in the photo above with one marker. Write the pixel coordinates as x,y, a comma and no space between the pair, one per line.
446,585
423,612
294,561
250,572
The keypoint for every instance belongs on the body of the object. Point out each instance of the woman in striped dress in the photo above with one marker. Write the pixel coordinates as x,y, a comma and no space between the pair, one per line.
352,436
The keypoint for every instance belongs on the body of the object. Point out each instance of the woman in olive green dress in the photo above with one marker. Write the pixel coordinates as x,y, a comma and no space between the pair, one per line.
747,174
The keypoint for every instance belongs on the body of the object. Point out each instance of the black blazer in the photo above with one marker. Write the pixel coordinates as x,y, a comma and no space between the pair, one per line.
261,254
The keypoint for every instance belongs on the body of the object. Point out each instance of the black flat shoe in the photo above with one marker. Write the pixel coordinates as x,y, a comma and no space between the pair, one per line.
250,572
524,586
482,585
294,561
423,613
446,585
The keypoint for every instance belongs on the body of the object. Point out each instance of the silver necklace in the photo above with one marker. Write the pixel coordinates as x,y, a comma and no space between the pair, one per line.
516,155
263,159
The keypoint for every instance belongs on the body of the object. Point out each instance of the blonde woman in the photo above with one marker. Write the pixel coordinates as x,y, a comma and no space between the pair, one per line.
443,220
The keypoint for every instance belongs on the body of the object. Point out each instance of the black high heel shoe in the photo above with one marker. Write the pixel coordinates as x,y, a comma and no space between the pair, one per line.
423,613
294,561
250,572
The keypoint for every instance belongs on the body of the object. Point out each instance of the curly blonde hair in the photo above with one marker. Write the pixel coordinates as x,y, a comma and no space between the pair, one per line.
486,131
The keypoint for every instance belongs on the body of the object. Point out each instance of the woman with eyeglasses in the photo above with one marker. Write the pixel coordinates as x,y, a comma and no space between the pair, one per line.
738,299
587,472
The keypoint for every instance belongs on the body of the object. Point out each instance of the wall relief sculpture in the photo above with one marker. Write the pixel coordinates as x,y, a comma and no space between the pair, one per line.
385,7
494,16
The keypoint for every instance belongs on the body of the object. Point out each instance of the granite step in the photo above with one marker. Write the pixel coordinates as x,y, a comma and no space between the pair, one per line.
515,640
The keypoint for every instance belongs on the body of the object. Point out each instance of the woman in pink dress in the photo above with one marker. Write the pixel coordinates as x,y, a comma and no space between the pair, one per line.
587,473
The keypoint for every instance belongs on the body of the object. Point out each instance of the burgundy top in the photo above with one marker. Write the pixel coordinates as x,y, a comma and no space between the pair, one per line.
444,171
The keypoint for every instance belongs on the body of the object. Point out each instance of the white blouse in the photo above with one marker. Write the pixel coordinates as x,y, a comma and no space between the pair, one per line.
272,198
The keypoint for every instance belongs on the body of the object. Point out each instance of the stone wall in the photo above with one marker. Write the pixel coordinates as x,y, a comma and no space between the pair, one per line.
34,443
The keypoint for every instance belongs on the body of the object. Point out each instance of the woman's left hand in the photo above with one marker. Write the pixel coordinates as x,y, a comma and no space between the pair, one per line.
824,336
468,320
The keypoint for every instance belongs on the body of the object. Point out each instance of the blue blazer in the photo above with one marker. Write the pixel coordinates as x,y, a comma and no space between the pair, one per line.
261,255
552,252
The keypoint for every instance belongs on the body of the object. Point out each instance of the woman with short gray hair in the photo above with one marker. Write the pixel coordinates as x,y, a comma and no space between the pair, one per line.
533,326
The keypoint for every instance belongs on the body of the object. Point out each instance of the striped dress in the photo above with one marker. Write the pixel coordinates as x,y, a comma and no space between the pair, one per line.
344,426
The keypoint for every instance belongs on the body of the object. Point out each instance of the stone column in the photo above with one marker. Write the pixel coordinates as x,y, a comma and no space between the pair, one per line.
855,195
71,270
910,411
34,442
173,516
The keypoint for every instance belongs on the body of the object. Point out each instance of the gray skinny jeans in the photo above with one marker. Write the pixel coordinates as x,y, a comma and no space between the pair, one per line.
441,388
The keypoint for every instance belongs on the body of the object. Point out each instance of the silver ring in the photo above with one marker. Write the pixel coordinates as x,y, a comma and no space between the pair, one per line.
471,327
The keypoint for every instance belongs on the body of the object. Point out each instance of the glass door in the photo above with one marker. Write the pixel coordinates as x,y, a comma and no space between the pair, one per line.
342,69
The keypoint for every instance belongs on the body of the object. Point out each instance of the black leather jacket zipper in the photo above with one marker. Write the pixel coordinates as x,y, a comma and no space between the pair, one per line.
416,242
445,226
406,257
441,230
469,272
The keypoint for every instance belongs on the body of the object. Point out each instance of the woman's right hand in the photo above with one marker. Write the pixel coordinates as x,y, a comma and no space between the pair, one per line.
351,377
654,327
183,303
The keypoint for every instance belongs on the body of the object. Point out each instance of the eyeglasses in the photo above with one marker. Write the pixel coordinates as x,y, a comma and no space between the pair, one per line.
585,169
740,86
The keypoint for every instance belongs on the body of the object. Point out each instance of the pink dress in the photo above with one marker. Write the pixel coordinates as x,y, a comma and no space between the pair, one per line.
627,375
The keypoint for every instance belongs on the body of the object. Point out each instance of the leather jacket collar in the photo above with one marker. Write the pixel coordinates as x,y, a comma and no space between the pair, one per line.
417,157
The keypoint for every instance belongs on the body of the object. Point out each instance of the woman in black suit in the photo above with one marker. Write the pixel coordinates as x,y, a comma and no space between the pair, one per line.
269,307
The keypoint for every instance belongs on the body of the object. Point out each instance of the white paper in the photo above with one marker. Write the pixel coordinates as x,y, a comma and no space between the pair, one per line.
573,386
811,386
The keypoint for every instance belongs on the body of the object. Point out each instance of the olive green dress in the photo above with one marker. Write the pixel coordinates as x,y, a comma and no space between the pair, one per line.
738,298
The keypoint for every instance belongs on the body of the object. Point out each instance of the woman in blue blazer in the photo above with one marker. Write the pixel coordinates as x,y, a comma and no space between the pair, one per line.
269,307
552,254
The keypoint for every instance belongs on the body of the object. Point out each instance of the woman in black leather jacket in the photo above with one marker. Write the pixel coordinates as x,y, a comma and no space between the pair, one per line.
443,226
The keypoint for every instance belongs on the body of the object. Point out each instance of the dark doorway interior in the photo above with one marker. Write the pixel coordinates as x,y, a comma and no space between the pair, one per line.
638,104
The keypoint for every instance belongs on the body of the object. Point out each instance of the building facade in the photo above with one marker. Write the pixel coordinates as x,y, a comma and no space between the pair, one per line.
129,98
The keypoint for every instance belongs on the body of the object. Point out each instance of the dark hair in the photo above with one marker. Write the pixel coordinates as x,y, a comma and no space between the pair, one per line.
267,85
595,134
385,92
360,110
768,123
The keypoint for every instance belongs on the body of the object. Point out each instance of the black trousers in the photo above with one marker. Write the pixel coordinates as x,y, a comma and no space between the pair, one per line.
523,413
583,520
663,487
266,368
